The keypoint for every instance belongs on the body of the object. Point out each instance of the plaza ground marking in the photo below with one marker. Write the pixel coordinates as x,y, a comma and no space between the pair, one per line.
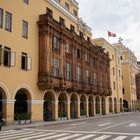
15,136
115,133
132,124
32,137
102,137
70,136
17,133
103,124
85,137
136,138
120,138
78,124
112,126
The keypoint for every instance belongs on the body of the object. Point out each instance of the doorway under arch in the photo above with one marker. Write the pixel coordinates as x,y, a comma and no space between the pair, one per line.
91,105
110,105
62,105
22,104
97,105
103,106
49,107
115,105
121,105
83,104
74,106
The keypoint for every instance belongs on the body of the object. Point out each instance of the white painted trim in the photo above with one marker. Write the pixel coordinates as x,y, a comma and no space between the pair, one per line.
8,101
63,10
35,101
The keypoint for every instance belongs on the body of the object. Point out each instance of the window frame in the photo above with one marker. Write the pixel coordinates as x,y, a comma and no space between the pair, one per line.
26,1
6,53
24,29
67,7
1,18
8,21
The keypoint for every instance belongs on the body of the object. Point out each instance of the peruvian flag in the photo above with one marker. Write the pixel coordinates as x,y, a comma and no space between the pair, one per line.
111,34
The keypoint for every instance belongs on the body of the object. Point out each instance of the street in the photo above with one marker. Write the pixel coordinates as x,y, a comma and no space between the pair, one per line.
117,127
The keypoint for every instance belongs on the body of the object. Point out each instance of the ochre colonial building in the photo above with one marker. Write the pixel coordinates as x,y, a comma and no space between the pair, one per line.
48,65
115,101
129,71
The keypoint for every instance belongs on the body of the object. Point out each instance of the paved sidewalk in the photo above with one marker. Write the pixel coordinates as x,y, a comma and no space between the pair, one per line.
42,123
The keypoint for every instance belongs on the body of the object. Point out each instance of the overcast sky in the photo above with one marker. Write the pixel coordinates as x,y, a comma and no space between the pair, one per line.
121,17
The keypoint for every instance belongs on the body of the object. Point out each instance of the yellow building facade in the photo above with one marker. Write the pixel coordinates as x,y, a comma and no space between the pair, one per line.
19,62
129,71
115,101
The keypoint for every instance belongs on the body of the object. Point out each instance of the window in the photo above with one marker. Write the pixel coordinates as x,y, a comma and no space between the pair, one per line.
112,57
114,86
58,1
8,21
123,90
1,18
26,1
86,57
94,79
94,61
78,73
72,28
7,58
67,6
113,71
24,29
88,39
49,12
67,48
62,21
0,54
26,62
78,54
87,77
68,71
56,67
75,13
119,74
55,43
81,34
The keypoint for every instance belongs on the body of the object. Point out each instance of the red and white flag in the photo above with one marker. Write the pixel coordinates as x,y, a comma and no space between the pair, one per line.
110,34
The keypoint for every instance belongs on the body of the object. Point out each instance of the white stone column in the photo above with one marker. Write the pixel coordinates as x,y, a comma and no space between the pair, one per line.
9,109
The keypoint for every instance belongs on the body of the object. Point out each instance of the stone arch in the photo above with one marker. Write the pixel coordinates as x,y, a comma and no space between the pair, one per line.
62,105
103,104
83,104
22,101
110,105
49,106
5,90
97,105
74,105
27,88
91,105
115,105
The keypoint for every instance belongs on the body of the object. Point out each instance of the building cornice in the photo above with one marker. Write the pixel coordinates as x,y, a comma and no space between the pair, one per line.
63,10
